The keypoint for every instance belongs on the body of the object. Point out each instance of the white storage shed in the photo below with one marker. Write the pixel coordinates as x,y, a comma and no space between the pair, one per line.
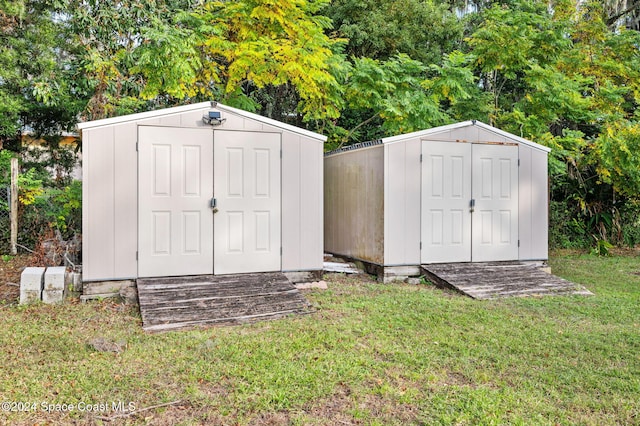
466,192
199,189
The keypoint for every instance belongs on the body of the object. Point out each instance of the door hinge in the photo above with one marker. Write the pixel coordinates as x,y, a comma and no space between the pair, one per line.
281,154
518,162
421,158
420,245
136,146
136,255
280,251
518,243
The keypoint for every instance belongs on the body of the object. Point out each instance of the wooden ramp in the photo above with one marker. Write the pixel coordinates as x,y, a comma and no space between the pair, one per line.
187,302
490,280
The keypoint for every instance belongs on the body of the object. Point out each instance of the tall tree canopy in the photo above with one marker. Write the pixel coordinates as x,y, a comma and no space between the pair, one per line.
565,73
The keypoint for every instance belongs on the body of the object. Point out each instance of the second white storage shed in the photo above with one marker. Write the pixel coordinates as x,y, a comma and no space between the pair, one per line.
199,189
466,192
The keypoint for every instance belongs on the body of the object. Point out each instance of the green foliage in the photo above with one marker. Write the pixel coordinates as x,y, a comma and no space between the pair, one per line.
602,247
372,354
424,30
63,208
616,154
567,227
33,79
29,187
263,43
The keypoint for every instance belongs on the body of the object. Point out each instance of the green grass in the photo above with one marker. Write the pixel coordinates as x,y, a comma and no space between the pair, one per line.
371,354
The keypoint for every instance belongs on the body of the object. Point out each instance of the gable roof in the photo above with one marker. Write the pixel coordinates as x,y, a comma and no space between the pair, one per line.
195,107
435,130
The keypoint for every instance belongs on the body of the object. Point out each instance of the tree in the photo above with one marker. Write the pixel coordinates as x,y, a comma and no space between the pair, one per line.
380,29
34,92
255,44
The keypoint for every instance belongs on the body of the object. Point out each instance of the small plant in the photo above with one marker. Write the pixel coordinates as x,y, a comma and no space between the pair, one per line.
602,247
6,257
424,280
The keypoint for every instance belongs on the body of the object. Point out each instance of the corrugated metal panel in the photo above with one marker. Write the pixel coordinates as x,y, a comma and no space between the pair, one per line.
97,195
354,203
402,203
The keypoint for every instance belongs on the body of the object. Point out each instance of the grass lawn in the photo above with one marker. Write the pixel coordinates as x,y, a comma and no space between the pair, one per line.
371,354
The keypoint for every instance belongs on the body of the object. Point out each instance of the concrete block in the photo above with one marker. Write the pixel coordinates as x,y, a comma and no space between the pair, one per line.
322,285
303,276
105,287
88,297
54,279
31,283
52,296
74,282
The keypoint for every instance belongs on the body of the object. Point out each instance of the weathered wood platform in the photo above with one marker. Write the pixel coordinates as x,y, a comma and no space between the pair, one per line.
490,280
187,302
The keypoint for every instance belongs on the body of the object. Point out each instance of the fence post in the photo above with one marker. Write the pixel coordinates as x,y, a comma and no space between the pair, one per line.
14,206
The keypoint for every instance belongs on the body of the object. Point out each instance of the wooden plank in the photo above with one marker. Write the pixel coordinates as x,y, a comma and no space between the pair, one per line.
346,268
14,206
488,280
186,302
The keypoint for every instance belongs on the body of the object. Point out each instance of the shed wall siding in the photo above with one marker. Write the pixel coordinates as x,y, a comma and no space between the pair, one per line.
540,202
110,207
402,173
525,205
98,191
125,209
533,204
302,203
354,216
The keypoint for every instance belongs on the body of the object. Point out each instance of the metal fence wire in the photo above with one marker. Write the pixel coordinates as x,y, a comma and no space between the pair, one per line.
5,219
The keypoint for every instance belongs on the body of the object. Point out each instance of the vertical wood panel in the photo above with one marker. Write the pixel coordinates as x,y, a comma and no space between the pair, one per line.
125,210
540,203
311,204
291,177
98,204
525,206
354,202
413,172
402,203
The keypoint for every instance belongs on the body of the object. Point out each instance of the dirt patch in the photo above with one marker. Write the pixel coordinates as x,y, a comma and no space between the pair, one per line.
10,269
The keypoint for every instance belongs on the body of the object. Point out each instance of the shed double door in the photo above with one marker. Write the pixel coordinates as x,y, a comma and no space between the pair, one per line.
469,202
182,230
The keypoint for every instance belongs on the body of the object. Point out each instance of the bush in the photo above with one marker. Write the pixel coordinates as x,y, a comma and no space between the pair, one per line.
630,223
567,227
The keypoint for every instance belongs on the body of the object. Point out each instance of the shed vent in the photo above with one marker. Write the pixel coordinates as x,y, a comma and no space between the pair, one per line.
354,147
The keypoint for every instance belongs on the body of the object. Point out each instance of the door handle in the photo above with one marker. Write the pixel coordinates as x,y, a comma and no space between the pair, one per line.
214,205
472,205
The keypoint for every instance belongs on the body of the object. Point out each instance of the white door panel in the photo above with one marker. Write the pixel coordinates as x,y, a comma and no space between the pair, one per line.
247,190
175,186
446,192
495,190
453,174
